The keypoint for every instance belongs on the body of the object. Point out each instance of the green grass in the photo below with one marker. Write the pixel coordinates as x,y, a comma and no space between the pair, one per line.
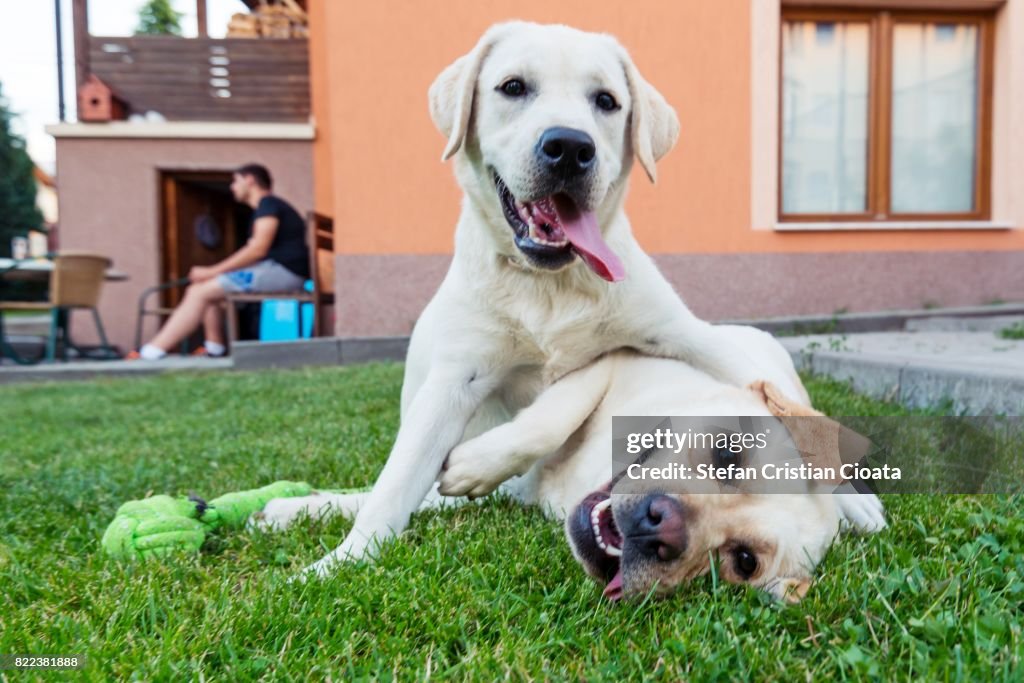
26,314
1014,331
483,592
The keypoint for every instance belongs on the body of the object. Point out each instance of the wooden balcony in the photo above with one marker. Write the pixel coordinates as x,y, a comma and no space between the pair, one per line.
206,79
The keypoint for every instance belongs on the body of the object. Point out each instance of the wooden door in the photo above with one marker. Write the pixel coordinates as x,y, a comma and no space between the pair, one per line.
197,206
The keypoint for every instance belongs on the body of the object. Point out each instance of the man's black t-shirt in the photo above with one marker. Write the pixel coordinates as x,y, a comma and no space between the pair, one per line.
289,245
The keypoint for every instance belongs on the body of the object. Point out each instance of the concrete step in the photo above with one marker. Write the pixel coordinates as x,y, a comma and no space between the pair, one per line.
973,373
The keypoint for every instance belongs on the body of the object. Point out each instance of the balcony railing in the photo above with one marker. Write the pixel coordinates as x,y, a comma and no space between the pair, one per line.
206,79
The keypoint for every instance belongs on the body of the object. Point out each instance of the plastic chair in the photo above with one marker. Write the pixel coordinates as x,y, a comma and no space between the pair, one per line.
75,282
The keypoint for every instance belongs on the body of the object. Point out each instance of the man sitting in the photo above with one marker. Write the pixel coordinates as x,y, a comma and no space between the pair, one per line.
275,259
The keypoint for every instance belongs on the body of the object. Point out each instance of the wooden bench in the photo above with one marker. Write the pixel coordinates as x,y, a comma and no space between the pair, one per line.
320,240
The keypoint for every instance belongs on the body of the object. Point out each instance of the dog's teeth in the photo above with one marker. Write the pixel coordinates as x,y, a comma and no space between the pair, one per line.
535,232
595,523
538,236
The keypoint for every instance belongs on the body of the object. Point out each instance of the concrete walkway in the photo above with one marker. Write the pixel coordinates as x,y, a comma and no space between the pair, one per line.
977,372
919,358
92,369
246,356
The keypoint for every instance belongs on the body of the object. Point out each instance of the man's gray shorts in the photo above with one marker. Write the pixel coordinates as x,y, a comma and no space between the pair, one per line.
263,276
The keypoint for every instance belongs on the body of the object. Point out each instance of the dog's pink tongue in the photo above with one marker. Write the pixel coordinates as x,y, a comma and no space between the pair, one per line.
583,233
613,591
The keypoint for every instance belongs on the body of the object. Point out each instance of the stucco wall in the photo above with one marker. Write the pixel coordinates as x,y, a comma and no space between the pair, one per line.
110,203
395,204
384,150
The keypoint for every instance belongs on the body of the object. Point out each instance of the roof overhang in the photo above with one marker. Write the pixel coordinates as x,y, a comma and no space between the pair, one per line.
184,130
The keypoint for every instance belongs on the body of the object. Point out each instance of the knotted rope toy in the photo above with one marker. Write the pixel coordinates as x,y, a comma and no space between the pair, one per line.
162,525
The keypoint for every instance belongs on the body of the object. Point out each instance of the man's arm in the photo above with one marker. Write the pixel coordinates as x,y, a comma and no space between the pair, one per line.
263,231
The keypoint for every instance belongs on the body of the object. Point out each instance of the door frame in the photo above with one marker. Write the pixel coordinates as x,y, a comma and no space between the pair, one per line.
168,234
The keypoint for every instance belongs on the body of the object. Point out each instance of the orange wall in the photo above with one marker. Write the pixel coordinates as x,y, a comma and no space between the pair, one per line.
323,179
376,157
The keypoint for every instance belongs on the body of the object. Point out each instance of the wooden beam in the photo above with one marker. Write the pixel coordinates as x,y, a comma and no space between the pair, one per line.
201,18
922,5
80,26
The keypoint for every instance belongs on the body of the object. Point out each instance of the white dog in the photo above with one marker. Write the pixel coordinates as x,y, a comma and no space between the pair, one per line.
561,445
543,123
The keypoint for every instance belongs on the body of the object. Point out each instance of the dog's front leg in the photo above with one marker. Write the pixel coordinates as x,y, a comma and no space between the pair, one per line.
280,513
478,466
681,335
432,426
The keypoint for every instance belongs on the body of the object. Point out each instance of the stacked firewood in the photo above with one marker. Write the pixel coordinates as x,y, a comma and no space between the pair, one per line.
280,19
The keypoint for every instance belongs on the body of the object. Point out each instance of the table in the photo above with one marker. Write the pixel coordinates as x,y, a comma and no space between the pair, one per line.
38,270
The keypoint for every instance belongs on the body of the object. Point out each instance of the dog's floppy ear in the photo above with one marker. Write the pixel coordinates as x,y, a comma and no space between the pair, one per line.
654,126
451,95
778,403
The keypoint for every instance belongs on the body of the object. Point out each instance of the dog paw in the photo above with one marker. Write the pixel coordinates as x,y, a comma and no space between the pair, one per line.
278,514
861,512
473,473
356,547
318,571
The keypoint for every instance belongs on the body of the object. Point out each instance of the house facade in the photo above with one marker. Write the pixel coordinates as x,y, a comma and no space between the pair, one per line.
834,156
46,197
163,122
850,155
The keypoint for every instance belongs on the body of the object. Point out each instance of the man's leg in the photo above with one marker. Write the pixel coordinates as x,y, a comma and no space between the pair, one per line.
189,313
213,324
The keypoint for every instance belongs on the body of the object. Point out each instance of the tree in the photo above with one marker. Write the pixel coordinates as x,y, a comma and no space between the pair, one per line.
159,18
18,211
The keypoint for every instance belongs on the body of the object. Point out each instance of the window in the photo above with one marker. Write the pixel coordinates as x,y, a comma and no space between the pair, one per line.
885,116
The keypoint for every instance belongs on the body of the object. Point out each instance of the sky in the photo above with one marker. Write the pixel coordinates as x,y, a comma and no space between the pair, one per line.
28,56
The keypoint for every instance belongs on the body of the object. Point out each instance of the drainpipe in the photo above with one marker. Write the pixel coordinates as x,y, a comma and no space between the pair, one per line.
60,62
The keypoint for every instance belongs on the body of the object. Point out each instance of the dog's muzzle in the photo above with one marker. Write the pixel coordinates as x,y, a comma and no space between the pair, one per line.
552,231
566,153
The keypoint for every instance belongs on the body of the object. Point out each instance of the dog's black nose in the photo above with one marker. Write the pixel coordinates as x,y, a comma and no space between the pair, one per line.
657,527
566,151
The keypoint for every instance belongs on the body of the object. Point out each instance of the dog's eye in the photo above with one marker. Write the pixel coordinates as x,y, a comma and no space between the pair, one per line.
513,87
722,458
606,101
745,562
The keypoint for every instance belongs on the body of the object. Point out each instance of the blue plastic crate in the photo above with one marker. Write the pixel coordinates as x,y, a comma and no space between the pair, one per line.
279,319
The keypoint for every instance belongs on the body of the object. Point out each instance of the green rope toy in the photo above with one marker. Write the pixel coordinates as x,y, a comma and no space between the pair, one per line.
162,525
